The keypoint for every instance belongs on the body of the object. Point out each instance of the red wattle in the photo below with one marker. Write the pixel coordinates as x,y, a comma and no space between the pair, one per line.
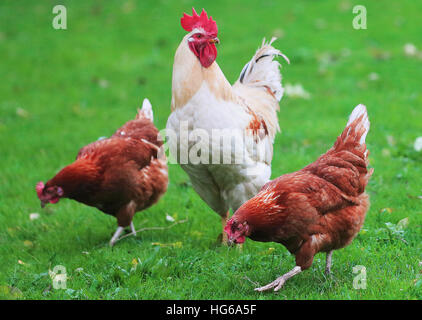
54,200
208,55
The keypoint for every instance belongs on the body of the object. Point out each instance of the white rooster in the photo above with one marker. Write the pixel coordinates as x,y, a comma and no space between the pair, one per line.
228,167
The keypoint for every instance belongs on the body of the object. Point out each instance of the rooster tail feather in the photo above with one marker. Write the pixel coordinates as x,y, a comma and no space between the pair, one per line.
145,111
263,71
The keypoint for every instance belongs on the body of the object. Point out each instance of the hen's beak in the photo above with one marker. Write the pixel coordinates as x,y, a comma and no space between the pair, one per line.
215,40
231,241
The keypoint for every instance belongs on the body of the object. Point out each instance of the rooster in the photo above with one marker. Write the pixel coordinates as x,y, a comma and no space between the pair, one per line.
119,175
203,101
320,208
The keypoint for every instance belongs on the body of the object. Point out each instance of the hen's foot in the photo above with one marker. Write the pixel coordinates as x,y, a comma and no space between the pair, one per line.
116,236
132,227
278,283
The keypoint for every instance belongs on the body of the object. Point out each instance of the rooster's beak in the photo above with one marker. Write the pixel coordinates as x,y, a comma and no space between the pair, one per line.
215,40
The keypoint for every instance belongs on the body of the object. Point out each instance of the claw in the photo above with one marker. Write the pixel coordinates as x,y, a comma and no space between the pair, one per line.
278,283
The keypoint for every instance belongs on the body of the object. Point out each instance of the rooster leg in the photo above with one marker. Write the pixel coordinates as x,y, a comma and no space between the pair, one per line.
279,282
132,227
328,262
116,236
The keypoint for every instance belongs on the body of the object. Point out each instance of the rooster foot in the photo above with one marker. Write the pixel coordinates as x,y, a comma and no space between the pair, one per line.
278,283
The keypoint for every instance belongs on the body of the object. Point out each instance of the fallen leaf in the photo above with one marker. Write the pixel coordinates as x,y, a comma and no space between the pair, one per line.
391,141
418,144
386,210
28,243
22,113
373,76
403,223
134,262
296,91
169,218
103,83
410,50
34,216
386,152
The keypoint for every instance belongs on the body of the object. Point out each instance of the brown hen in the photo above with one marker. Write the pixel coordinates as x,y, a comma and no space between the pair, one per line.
119,175
320,208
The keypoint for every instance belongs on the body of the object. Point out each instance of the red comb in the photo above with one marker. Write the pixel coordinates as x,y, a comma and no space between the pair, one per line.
191,22
39,188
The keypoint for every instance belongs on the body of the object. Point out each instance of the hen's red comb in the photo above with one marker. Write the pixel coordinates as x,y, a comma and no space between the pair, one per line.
40,187
191,22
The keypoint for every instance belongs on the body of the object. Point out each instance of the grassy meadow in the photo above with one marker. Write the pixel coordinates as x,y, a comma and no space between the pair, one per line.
62,89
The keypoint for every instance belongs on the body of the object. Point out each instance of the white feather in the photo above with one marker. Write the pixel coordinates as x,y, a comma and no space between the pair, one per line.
356,113
147,109
263,71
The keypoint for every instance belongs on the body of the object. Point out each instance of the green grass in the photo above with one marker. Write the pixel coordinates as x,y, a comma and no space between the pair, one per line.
60,90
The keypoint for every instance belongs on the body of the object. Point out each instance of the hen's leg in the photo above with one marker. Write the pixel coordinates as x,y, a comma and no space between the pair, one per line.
132,227
124,219
328,262
224,238
279,282
116,236
304,258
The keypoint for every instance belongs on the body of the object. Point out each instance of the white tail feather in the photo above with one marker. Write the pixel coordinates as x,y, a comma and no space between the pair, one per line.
263,71
147,109
356,113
